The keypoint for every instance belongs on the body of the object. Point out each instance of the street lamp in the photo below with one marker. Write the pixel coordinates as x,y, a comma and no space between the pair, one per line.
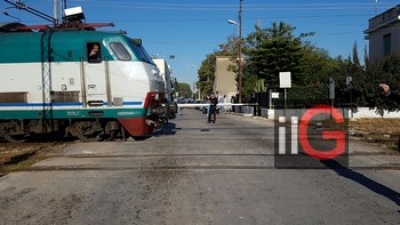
240,49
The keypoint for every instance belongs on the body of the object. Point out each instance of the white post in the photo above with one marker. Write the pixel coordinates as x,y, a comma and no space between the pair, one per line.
270,99
55,7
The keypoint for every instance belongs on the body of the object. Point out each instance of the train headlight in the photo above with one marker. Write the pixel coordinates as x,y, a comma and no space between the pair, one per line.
157,97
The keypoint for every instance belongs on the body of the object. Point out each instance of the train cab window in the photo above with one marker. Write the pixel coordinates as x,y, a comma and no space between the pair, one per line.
120,51
140,52
94,52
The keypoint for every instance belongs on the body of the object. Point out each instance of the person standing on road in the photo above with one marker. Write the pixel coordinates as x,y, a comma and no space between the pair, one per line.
208,106
233,100
213,100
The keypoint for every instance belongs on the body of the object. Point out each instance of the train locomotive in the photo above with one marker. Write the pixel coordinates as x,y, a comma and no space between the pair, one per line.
51,84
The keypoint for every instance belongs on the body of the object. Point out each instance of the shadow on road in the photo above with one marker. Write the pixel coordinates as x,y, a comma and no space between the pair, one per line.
169,129
363,180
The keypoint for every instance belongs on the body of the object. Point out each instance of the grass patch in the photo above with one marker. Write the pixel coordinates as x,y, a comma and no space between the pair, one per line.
21,157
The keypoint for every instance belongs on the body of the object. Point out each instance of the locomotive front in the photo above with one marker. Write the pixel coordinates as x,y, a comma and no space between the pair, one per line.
51,84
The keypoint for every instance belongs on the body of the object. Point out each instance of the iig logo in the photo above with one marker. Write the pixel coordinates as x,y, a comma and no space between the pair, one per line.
300,143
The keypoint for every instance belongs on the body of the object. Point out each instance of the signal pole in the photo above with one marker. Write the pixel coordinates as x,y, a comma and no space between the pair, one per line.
240,52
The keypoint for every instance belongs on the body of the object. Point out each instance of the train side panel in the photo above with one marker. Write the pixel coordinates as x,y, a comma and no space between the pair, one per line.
128,90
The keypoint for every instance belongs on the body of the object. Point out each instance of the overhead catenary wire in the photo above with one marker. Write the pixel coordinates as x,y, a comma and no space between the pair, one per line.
231,7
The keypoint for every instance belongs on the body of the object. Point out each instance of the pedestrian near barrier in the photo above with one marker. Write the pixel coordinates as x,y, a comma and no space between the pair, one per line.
213,100
233,101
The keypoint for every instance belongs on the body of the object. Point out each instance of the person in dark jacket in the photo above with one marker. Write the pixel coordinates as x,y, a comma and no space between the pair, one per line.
393,96
233,100
213,100
388,92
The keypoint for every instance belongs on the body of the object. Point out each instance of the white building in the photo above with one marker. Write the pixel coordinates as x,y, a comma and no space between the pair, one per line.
225,80
383,34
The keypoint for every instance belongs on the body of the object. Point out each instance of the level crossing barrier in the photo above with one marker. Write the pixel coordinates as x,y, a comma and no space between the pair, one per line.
193,105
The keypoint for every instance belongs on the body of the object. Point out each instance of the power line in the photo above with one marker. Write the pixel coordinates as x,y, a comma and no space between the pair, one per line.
233,7
247,19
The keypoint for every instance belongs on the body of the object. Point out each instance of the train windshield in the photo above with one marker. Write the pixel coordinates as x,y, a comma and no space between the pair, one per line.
140,52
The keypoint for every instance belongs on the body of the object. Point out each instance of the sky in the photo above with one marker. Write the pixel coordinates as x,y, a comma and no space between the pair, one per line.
192,29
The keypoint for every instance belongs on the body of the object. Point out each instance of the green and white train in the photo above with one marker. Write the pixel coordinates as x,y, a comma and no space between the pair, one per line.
50,85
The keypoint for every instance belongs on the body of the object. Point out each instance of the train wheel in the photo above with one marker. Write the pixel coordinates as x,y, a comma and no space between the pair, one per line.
76,133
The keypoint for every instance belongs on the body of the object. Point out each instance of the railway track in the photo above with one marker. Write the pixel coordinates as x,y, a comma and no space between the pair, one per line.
196,161
176,147
74,155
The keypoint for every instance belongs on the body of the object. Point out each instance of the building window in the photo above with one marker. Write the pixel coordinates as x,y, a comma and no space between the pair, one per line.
387,44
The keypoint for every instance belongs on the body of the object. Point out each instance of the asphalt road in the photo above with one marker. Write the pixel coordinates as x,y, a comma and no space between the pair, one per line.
200,173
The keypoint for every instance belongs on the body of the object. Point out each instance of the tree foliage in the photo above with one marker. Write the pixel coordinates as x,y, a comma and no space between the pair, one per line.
206,74
269,51
183,90
385,71
274,50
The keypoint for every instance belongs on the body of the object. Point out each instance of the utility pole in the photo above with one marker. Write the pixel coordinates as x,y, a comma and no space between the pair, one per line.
240,52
